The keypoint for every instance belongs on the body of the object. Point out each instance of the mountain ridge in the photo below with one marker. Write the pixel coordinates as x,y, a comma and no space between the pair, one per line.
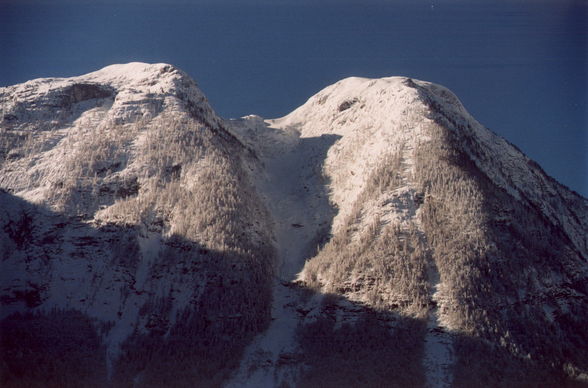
379,209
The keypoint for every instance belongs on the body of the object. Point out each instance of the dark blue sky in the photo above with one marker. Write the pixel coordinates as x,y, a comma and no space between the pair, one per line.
519,66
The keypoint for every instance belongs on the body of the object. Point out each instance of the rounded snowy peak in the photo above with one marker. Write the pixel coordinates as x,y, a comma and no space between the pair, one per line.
380,99
119,76
140,74
132,91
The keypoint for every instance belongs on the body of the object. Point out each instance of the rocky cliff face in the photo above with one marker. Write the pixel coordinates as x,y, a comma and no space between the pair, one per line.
376,236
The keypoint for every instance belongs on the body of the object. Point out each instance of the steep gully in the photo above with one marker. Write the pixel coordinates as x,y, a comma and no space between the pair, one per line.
296,195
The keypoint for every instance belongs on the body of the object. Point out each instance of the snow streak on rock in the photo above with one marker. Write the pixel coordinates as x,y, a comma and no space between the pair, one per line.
439,352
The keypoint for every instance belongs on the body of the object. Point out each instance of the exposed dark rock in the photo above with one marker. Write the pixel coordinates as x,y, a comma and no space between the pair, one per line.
347,104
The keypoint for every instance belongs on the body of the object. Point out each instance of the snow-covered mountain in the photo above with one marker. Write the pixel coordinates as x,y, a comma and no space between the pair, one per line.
376,236
126,204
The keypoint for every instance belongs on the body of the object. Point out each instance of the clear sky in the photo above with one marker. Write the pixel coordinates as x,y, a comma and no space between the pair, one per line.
519,66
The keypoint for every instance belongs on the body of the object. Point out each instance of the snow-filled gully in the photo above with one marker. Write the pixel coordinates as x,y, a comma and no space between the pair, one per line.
296,196
439,355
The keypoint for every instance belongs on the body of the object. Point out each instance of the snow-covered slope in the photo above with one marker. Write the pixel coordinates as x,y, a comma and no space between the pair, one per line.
434,224
378,235
51,120
126,200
